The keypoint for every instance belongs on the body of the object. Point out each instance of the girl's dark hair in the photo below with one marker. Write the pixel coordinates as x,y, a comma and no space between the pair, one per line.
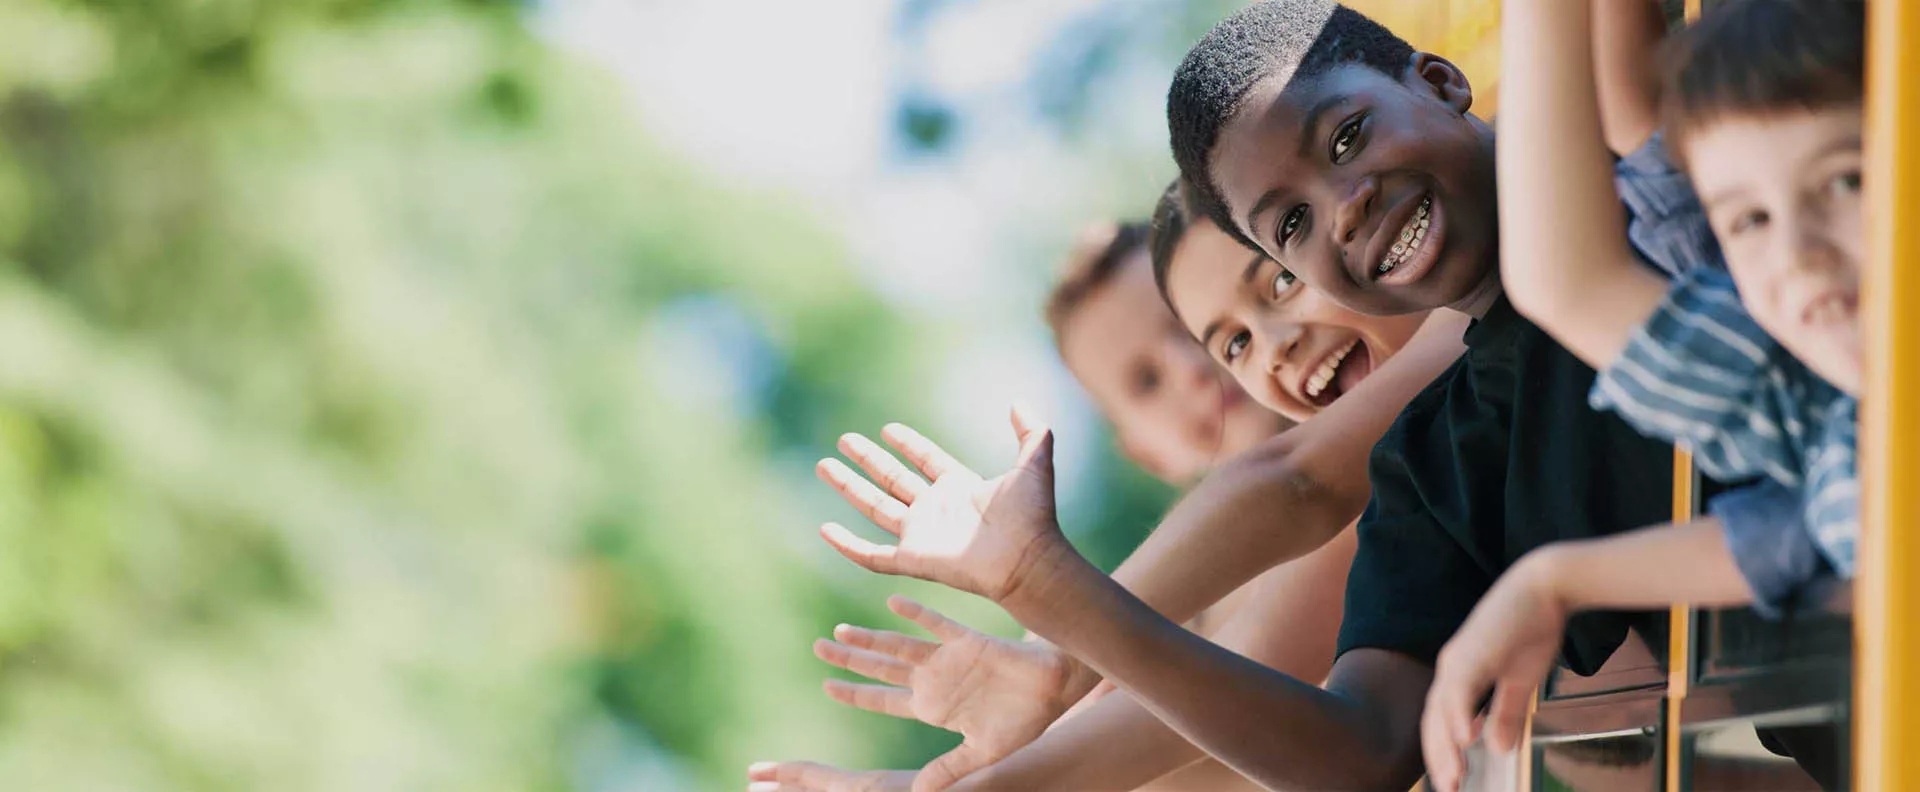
1172,216
1279,39
1093,262
1759,57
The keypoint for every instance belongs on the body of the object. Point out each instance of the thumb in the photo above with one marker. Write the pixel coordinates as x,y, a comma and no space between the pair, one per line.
1036,456
1026,423
949,769
1036,442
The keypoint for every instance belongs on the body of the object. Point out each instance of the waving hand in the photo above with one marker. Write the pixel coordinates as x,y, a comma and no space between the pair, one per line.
982,536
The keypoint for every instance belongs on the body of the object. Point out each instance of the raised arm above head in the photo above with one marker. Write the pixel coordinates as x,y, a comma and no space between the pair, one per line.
1565,259
1626,35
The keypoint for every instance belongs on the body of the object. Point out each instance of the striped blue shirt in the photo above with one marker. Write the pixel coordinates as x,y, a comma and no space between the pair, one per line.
1702,374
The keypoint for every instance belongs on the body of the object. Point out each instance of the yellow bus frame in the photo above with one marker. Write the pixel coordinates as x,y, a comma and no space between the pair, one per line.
1886,654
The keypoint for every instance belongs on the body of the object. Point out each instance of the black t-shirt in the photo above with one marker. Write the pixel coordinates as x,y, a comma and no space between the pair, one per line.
1498,456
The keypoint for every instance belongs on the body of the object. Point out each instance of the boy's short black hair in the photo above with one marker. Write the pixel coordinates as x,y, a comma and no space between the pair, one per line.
1278,39
1758,57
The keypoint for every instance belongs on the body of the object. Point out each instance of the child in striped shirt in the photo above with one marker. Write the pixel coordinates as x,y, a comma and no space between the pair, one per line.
1754,366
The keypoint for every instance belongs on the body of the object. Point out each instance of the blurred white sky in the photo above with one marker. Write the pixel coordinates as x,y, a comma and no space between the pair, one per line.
799,97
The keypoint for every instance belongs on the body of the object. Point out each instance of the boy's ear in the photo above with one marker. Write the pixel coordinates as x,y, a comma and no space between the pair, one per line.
1437,75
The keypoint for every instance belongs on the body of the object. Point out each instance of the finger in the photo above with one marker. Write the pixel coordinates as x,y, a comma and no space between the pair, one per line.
1025,423
1449,710
883,468
947,630
872,698
1455,699
932,462
871,665
875,557
947,769
1443,757
793,775
877,506
905,648
1036,444
1507,715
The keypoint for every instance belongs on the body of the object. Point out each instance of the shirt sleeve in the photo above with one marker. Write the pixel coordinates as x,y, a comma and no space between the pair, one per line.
1702,374
1771,545
1412,584
1665,222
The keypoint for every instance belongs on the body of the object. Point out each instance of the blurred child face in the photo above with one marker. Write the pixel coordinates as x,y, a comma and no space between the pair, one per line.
1291,347
1783,193
1175,414
1376,191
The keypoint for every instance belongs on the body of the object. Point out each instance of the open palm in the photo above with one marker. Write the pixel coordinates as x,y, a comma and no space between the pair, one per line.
977,535
998,694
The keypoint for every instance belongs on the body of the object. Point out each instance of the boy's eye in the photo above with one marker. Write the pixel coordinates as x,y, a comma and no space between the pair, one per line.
1752,220
1290,225
1146,380
1236,346
1282,281
1345,139
1847,183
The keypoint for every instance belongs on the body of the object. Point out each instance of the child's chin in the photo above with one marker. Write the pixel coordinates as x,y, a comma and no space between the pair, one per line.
1849,375
1839,361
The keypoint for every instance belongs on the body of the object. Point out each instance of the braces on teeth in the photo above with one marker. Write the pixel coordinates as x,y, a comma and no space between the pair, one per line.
1411,236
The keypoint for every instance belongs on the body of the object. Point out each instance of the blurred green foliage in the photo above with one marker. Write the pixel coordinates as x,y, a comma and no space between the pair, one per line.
340,447
335,451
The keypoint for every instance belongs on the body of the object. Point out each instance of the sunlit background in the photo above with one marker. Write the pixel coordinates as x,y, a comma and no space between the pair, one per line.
423,394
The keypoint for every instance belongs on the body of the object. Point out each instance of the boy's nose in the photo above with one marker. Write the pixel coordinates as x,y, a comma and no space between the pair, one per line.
1352,213
1810,249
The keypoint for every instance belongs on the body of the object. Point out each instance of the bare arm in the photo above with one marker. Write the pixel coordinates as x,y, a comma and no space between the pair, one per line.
1360,732
1289,623
1287,497
1626,36
1565,260
1507,646
1649,568
999,538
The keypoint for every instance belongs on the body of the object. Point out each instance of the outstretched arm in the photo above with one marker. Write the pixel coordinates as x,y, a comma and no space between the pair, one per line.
1565,259
1288,623
1000,539
1288,496
1360,732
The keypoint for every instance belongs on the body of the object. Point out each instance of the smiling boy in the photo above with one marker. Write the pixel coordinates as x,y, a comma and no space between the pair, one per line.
1376,186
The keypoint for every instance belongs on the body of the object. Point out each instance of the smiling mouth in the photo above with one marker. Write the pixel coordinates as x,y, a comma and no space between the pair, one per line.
1831,308
1325,384
1412,237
